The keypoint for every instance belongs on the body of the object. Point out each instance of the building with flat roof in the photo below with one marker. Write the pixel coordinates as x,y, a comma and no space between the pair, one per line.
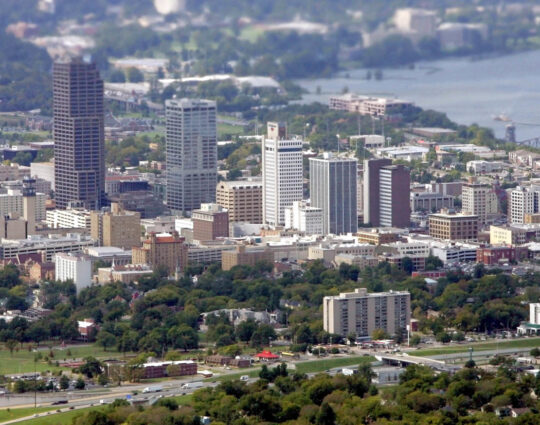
522,201
394,196
372,169
242,199
305,218
75,267
282,171
332,187
162,250
123,273
360,312
49,246
430,201
191,153
378,235
480,200
245,256
116,227
210,222
453,226
79,135
71,218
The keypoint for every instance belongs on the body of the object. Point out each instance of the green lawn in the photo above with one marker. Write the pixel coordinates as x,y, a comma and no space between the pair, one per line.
228,129
23,360
519,343
60,418
251,33
10,414
322,365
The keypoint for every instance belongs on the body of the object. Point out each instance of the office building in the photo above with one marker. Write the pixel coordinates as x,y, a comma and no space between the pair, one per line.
191,153
243,256
305,218
332,186
210,222
164,250
79,146
453,226
71,218
14,201
522,201
481,200
282,177
116,227
361,313
430,201
242,199
74,267
372,170
48,246
394,196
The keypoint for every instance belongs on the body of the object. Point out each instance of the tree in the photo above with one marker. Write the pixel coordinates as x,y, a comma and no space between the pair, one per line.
378,334
117,76
105,339
64,382
326,415
11,344
80,384
433,263
91,367
535,352
134,75
245,330
407,265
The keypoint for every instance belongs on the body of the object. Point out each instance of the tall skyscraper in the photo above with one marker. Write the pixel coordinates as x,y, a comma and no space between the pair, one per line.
191,153
372,169
332,187
79,147
394,196
282,176
522,201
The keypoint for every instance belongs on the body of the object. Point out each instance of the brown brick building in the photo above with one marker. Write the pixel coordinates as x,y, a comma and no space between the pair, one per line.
167,251
455,227
243,200
210,222
245,257
116,227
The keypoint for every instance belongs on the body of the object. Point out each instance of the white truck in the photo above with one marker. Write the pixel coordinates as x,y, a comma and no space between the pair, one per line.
348,372
192,385
153,389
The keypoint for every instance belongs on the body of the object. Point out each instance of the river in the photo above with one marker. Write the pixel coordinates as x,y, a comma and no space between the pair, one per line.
469,91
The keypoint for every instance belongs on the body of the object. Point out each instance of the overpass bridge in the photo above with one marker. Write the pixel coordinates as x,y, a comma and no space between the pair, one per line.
404,360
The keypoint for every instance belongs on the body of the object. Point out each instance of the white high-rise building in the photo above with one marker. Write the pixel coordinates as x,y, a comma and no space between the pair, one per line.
479,199
282,177
191,153
521,201
301,216
75,267
332,183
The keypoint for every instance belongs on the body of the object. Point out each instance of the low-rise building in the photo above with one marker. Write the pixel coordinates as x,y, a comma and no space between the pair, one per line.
49,246
301,216
430,201
71,218
378,235
123,273
245,256
210,222
152,370
242,199
453,226
116,227
162,250
74,267
484,167
493,255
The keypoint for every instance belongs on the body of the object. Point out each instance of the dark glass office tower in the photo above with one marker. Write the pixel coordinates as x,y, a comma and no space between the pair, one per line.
79,147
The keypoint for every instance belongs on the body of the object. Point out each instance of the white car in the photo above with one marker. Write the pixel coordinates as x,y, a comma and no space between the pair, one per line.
244,378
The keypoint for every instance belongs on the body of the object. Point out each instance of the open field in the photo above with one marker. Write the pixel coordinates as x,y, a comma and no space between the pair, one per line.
322,365
10,414
518,343
23,360
60,418
228,129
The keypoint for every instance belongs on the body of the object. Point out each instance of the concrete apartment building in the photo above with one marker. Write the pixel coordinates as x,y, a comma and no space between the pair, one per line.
191,149
79,137
332,188
242,199
163,250
282,171
305,218
378,236
116,227
453,226
244,256
75,267
210,222
13,202
480,200
361,313
516,234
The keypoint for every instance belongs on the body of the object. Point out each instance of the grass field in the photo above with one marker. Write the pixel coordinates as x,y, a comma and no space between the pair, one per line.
519,343
60,418
322,365
23,360
10,414
228,129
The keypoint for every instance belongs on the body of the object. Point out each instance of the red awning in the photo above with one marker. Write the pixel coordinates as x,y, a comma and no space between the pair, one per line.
267,355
